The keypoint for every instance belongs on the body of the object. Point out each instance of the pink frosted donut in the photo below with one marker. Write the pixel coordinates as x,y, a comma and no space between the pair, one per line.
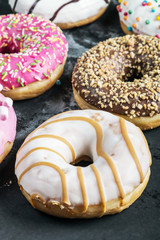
32,55
8,123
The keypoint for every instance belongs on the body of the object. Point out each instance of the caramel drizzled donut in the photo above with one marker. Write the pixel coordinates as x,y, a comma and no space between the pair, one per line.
121,76
50,181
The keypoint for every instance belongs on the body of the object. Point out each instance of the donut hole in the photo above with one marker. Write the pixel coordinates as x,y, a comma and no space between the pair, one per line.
8,50
83,161
134,74
9,47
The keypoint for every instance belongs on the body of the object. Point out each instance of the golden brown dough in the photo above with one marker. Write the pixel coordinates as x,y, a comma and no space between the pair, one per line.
113,206
7,149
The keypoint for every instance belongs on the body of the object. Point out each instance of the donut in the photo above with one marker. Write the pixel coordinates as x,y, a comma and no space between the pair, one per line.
33,52
140,17
114,179
8,123
65,13
122,76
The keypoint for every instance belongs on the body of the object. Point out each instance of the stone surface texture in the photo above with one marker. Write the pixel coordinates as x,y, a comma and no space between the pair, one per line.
18,219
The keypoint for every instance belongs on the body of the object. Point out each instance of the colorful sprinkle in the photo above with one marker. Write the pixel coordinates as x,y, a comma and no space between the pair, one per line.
4,73
45,74
37,61
130,11
130,29
33,64
147,21
158,18
18,66
58,82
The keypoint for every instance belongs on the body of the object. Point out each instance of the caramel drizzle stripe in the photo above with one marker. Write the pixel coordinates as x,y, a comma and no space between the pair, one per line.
54,137
130,147
82,185
100,187
99,148
55,167
150,157
36,149
38,129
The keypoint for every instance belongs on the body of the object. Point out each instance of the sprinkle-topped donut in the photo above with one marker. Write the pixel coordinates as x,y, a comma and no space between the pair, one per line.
140,16
8,122
31,48
122,76
47,175
65,13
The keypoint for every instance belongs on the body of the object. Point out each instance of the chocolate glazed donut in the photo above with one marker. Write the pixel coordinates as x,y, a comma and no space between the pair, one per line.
121,76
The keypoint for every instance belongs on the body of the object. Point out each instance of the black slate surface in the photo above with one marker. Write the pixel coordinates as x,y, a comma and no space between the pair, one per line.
18,220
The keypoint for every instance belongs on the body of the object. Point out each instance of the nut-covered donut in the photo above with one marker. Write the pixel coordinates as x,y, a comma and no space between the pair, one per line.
53,184
32,55
65,13
8,123
140,16
121,76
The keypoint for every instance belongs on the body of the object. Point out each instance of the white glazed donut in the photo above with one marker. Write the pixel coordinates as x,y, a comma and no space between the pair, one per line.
65,13
140,16
116,178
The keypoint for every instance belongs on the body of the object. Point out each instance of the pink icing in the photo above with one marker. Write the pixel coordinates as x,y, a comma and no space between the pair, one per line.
30,49
8,124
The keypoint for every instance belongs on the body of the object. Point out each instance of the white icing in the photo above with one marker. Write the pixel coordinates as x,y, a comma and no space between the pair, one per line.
70,13
1,87
5,105
3,113
8,102
46,182
144,13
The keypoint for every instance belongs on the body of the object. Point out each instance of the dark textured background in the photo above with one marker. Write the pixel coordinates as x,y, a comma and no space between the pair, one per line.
18,220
